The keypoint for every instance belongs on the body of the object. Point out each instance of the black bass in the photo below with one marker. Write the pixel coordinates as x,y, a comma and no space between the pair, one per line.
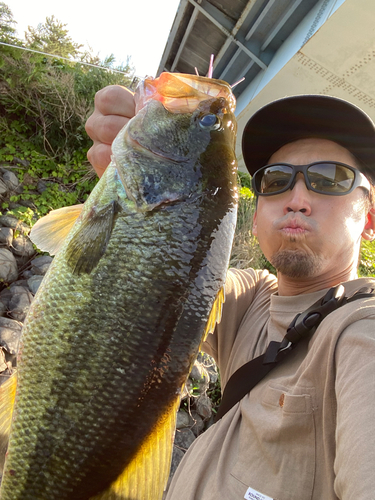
118,320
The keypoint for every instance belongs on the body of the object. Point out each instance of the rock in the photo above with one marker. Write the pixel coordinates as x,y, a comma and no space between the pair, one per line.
14,223
198,423
28,204
10,179
200,375
6,236
27,274
10,334
183,420
177,456
5,296
184,438
8,266
23,246
42,185
34,282
22,260
20,302
23,163
3,308
204,406
40,265
14,206
3,187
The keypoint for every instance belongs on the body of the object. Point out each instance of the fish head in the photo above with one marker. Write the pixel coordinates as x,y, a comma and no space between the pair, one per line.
181,141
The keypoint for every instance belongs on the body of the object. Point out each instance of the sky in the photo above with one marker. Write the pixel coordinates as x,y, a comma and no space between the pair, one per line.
136,28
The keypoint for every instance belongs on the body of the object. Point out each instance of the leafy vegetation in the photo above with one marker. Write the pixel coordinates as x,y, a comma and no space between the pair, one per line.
44,105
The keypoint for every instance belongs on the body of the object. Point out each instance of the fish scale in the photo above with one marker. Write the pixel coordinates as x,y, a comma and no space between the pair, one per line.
105,351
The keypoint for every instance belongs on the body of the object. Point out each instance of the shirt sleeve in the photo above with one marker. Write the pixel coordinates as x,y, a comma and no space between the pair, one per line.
241,287
355,393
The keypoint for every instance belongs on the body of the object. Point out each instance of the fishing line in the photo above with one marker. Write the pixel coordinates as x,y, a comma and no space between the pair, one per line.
64,58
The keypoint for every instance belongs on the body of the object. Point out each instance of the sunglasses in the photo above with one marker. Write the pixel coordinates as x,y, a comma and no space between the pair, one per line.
324,177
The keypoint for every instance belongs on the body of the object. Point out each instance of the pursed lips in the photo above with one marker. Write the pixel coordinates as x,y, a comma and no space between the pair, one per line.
294,225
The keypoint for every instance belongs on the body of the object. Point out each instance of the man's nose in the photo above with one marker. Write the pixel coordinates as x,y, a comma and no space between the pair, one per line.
298,198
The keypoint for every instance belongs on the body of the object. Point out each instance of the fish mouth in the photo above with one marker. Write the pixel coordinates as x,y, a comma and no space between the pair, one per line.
181,93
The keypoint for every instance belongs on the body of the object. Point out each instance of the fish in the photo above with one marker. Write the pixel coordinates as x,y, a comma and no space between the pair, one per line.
136,285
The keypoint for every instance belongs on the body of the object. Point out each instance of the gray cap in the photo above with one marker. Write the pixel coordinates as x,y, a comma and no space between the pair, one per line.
298,117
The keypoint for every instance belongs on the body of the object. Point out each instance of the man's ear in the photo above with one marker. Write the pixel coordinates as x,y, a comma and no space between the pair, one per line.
369,230
255,226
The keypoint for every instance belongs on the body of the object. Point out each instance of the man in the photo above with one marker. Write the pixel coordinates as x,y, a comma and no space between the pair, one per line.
306,430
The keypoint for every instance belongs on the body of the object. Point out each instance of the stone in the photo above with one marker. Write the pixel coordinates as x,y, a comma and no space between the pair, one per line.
3,187
34,282
27,274
5,296
183,420
10,334
23,246
42,185
28,204
20,302
6,236
177,456
198,423
8,266
204,406
3,308
10,179
19,161
40,265
14,223
184,438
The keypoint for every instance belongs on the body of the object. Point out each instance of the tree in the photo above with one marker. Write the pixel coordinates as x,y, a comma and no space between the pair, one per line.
7,30
52,37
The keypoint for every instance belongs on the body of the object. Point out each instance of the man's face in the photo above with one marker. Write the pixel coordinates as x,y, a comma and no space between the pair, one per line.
306,234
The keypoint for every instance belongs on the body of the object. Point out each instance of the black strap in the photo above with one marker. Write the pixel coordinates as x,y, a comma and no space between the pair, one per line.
304,324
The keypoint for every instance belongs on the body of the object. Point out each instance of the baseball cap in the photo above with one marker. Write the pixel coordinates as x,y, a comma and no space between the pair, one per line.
297,117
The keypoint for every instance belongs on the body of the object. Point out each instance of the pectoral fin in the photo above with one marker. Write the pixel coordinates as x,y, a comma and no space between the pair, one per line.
146,477
49,233
89,243
7,397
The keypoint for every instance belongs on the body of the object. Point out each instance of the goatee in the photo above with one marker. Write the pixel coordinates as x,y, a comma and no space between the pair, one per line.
296,263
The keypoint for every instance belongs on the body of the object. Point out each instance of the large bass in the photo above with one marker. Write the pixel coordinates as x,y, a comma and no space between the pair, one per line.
118,320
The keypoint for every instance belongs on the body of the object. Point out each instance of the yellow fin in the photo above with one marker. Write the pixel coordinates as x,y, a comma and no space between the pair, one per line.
50,231
7,397
146,477
215,314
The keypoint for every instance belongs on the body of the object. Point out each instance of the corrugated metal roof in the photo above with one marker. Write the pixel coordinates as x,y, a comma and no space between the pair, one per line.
243,35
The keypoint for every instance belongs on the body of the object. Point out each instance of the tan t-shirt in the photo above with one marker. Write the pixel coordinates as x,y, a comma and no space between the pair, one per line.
307,430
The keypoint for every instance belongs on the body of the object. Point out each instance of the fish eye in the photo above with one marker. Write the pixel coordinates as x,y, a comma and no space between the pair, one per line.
209,121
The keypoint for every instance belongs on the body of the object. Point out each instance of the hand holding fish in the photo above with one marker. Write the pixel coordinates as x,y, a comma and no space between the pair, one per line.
114,106
134,288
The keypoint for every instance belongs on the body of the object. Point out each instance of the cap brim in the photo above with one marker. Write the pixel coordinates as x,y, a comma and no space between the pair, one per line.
297,117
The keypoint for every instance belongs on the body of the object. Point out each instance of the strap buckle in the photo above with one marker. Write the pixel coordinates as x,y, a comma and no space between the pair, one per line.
304,323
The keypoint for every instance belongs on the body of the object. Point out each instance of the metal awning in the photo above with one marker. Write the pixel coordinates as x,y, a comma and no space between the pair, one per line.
244,35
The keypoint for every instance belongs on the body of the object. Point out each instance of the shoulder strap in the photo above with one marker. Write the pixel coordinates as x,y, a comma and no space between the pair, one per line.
305,323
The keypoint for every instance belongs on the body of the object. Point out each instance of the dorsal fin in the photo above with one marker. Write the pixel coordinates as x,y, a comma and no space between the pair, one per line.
49,233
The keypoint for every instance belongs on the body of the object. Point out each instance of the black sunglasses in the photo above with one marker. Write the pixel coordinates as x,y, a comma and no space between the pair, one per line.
324,177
